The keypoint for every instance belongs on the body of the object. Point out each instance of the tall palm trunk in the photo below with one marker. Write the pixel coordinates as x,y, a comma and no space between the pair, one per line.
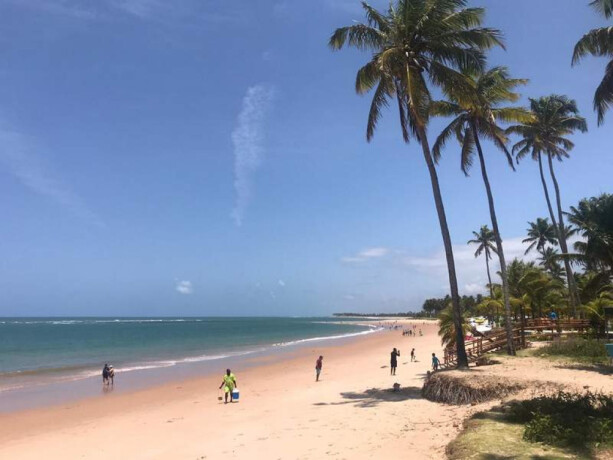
489,277
572,288
503,264
551,214
453,282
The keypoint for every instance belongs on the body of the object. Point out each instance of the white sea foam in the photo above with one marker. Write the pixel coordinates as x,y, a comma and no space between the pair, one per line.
330,337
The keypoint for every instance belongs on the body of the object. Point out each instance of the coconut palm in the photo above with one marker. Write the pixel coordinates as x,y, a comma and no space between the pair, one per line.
476,110
485,241
590,284
447,329
554,118
415,44
540,234
593,218
599,42
549,261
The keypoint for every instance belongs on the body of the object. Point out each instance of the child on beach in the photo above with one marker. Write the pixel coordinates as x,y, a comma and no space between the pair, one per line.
413,355
435,362
318,366
228,383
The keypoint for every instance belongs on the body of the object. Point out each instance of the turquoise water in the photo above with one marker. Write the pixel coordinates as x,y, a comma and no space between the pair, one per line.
73,348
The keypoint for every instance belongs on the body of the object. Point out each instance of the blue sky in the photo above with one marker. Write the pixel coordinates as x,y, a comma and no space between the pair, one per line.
209,158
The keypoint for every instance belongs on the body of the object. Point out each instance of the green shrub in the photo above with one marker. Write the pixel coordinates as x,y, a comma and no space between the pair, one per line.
566,419
576,347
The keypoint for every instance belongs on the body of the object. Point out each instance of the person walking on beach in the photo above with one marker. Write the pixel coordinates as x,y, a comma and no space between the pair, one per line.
413,355
105,374
435,362
228,383
318,365
394,361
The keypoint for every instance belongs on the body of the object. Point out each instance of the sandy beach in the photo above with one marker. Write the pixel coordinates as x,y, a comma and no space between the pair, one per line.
282,412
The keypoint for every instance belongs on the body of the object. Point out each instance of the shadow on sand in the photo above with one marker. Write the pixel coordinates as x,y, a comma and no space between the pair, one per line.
599,368
374,396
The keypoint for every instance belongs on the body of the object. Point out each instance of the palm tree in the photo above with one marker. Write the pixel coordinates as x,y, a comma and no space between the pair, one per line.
414,43
476,109
447,329
594,219
540,233
599,42
549,261
590,284
554,118
485,241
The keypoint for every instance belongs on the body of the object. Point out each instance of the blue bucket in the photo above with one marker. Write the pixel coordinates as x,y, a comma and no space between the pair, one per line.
235,394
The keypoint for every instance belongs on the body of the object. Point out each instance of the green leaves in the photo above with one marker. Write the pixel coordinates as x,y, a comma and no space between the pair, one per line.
599,42
605,7
553,118
603,98
413,43
474,99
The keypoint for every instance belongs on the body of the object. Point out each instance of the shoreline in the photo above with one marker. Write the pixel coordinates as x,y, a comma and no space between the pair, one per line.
282,410
39,393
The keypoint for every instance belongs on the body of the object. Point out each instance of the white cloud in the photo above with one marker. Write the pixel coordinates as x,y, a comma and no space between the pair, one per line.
374,252
139,8
281,283
18,159
366,254
247,138
470,271
184,287
68,8
431,269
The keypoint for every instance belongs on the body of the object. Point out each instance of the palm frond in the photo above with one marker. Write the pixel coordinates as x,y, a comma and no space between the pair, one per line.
605,7
441,140
367,77
379,101
603,98
597,42
359,36
468,151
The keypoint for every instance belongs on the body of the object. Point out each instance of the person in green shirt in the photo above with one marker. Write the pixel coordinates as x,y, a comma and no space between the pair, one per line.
228,383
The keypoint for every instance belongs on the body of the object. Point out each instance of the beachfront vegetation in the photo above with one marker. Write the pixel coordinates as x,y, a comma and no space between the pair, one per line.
417,45
553,119
485,245
599,42
540,233
538,287
581,349
566,419
476,109
562,425
447,330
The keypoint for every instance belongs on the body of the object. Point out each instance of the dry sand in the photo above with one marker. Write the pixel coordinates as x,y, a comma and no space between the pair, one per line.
282,414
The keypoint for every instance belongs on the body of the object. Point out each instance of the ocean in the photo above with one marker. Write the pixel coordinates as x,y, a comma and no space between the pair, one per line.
52,350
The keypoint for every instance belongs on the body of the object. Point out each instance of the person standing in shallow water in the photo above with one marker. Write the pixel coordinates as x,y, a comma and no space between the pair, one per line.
394,361
318,366
228,383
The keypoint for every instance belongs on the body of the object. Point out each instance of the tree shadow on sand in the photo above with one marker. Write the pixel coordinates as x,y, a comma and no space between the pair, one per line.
374,396
599,368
